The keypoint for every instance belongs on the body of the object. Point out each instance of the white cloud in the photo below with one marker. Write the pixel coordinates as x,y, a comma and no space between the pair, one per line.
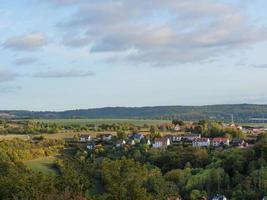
7,75
72,73
25,61
29,42
163,32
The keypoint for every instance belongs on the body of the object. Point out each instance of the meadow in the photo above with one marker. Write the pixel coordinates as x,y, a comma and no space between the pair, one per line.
45,165
137,122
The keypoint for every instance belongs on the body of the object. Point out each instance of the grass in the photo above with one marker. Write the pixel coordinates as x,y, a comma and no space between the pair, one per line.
13,136
45,165
102,121
255,124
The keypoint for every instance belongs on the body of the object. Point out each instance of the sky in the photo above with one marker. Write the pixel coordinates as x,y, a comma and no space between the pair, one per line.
73,54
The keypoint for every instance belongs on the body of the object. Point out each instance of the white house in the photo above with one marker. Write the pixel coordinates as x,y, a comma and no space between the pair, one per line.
120,143
176,138
218,197
219,141
201,142
90,146
85,138
131,142
106,137
177,128
161,142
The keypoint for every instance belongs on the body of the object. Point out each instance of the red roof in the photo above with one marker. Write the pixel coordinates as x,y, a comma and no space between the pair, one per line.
219,139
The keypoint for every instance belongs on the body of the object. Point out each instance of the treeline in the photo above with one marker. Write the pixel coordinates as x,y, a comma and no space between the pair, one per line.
17,150
241,113
27,127
191,173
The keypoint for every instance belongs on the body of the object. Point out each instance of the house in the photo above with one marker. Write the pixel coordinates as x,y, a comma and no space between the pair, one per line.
161,142
131,142
201,142
177,127
191,137
219,141
176,138
85,138
218,197
120,143
138,136
106,137
90,146
238,142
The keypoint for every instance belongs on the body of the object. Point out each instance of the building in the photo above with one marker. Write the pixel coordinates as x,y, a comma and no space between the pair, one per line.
191,137
238,142
219,141
218,197
161,142
120,143
177,127
176,138
138,137
90,146
131,142
85,138
201,142
106,137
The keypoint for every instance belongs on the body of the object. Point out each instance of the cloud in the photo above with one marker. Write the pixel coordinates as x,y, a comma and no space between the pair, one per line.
6,75
25,61
29,42
262,66
163,32
63,2
9,89
75,41
63,74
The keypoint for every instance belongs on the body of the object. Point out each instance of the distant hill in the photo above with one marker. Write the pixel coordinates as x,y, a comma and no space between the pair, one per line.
240,112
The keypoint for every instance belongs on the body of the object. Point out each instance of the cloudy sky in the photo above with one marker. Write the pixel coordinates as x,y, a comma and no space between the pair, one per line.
69,54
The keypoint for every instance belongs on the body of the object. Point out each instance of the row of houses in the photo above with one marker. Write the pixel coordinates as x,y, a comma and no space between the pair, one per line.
163,142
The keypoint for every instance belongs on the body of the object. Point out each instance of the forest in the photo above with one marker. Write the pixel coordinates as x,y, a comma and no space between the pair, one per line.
240,112
136,173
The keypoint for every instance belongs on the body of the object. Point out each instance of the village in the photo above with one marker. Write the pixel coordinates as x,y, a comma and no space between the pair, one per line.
162,140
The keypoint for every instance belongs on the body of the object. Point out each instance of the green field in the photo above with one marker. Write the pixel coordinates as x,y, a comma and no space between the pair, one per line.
45,165
255,124
102,121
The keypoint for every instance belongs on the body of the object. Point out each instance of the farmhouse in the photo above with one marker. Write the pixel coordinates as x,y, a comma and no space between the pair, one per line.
161,142
85,138
201,142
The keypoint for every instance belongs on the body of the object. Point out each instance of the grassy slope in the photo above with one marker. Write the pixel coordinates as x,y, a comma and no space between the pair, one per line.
45,164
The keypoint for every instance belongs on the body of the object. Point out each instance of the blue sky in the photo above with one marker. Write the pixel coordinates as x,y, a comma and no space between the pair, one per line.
70,54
